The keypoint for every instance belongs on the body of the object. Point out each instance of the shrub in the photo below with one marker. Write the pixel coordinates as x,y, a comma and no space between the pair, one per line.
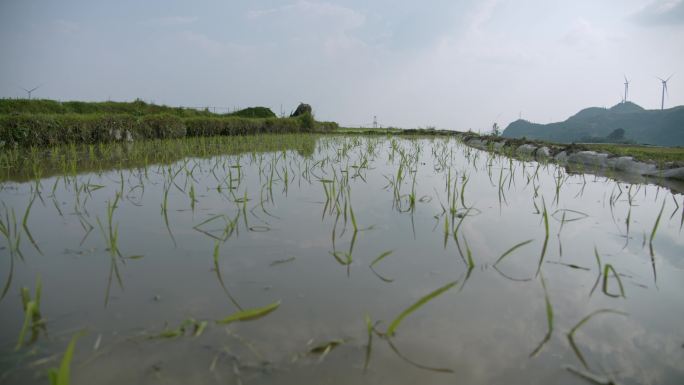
163,126
51,129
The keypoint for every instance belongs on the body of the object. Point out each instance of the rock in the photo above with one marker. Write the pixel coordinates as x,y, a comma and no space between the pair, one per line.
673,173
526,149
477,143
302,109
588,158
628,164
543,153
561,157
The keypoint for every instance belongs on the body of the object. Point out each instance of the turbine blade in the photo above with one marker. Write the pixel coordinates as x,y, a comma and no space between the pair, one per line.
669,77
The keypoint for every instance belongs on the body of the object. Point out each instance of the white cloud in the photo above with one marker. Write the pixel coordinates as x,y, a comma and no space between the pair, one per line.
481,15
169,21
205,43
661,12
334,16
582,34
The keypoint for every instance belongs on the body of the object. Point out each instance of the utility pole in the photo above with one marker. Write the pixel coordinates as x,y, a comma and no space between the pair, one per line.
375,121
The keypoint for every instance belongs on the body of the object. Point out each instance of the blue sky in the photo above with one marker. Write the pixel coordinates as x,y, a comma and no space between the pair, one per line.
450,64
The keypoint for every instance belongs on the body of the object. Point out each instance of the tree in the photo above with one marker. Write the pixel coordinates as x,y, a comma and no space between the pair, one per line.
617,135
495,129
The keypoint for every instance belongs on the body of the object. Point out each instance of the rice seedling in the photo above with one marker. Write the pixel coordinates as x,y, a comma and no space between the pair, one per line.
249,314
111,233
511,250
326,347
32,316
650,241
342,257
417,305
598,266
606,269
570,265
369,344
62,375
571,333
282,261
627,223
25,225
464,182
546,237
353,218
197,328
191,194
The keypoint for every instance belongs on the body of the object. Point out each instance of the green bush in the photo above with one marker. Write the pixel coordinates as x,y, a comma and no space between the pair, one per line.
136,108
51,129
254,112
307,121
45,129
162,126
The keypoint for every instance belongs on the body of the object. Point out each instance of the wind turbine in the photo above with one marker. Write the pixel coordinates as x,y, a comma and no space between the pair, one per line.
31,90
662,98
626,89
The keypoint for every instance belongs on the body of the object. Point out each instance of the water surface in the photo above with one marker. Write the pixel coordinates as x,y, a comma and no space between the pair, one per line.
277,211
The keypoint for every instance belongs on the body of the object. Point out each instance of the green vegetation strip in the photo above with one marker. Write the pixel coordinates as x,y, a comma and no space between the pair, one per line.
46,122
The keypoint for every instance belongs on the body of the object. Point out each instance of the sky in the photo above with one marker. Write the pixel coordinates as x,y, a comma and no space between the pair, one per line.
448,64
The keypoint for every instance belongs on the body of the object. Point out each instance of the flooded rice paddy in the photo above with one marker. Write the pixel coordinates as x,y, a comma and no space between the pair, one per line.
295,259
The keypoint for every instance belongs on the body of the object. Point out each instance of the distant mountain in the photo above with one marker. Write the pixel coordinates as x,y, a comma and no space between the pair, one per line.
656,127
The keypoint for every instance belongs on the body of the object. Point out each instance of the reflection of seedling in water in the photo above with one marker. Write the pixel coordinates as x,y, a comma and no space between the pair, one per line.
111,236
422,301
571,334
650,241
25,226
390,332
32,315
549,320
377,260
191,194
217,269
8,228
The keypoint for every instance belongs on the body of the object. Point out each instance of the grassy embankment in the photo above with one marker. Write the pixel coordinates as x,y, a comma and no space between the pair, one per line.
25,123
663,156
643,153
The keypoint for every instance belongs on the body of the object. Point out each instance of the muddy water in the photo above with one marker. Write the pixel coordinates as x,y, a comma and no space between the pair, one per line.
203,237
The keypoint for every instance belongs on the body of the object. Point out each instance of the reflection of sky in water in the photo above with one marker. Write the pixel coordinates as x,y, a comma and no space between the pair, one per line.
483,330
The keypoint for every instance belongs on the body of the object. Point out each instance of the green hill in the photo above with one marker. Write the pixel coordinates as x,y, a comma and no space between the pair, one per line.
655,127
